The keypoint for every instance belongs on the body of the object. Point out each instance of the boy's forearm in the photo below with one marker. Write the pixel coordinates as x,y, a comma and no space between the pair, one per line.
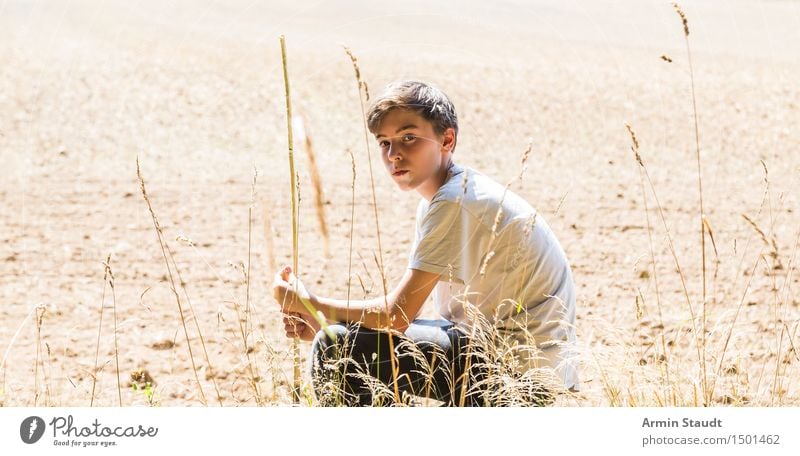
371,313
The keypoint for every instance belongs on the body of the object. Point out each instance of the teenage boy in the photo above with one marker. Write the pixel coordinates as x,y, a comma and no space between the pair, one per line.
477,246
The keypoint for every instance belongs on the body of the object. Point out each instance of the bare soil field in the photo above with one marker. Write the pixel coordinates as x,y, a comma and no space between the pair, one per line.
195,91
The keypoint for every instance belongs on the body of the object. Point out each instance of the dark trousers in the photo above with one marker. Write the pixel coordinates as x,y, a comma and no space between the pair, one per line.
434,360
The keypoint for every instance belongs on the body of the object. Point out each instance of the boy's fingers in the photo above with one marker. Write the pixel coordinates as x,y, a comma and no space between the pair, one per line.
292,332
300,319
292,319
294,323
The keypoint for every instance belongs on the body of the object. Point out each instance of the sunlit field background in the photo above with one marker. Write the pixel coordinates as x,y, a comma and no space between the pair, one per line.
195,91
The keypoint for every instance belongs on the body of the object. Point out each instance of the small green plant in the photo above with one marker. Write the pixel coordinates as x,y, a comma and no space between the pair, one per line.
149,393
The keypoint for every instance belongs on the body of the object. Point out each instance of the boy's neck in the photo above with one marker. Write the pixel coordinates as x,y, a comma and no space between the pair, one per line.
429,189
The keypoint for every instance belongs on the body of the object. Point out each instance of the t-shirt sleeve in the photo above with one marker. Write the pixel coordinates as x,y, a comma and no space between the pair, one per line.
440,242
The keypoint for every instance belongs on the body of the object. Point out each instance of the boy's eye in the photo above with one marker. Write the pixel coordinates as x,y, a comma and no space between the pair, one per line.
405,139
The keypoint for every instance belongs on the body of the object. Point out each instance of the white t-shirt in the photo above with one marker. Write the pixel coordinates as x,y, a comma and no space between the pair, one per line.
511,266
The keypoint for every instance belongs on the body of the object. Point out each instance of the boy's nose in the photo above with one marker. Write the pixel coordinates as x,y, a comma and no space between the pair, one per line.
393,153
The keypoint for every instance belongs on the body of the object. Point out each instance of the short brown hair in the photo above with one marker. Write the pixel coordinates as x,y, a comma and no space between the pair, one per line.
427,101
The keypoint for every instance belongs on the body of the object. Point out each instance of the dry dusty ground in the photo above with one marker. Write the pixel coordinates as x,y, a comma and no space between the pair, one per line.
196,92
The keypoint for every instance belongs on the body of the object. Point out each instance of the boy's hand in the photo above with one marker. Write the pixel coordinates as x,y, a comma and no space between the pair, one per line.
283,289
295,325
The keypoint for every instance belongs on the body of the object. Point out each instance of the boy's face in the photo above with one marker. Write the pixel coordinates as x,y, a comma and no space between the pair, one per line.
414,155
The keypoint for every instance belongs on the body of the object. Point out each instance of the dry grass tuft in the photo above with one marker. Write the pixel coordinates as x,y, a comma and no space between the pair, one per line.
497,373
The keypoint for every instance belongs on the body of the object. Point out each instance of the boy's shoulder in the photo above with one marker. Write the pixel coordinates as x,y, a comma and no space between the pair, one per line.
464,183
475,193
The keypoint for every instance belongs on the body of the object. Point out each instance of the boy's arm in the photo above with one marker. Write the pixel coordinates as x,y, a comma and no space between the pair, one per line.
403,302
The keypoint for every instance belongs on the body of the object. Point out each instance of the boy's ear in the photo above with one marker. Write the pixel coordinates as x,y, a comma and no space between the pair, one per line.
449,139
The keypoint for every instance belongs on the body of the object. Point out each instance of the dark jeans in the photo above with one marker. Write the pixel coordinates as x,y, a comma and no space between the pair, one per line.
433,357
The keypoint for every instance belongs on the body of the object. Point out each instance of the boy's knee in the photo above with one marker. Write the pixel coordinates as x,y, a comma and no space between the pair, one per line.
323,345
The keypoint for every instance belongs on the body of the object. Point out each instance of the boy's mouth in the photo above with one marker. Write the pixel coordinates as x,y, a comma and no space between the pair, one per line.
399,172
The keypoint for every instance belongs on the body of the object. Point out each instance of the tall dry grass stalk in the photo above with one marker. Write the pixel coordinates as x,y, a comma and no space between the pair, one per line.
110,276
164,249
302,126
47,369
246,329
635,149
670,243
293,179
379,258
703,221
297,384
297,376
40,312
352,227
95,371
352,231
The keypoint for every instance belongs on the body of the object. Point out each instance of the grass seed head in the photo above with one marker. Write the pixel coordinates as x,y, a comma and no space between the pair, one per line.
683,18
